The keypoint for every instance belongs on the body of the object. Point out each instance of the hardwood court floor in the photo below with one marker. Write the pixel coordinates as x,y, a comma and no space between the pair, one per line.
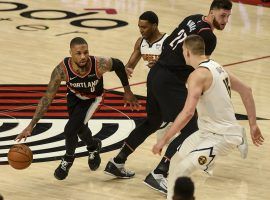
31,48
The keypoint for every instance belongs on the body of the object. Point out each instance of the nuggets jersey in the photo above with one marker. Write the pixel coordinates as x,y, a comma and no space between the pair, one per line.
215,109
151,52
172,54
84,87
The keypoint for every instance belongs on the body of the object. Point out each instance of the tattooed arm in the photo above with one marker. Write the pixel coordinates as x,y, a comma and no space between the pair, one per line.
113,64
57,76
104,65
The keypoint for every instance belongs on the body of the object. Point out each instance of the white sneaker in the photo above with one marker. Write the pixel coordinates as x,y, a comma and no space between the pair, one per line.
243,147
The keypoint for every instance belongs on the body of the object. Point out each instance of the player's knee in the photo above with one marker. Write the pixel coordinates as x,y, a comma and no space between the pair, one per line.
73,128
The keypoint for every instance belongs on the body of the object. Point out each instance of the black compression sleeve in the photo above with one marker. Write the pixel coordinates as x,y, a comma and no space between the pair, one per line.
119,69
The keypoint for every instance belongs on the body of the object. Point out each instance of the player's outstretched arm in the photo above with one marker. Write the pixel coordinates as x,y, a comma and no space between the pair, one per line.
57,76
134,58
248,101
113,64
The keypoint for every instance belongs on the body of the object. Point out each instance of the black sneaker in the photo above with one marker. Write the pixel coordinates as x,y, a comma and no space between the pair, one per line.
118,170
94,159
61,171
157,182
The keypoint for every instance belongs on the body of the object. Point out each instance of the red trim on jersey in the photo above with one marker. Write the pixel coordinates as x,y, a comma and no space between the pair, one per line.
71,68
96,69
62,64
204,29
203,18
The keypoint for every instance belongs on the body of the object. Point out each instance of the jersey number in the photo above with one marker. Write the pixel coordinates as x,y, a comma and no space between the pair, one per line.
179,39
227,85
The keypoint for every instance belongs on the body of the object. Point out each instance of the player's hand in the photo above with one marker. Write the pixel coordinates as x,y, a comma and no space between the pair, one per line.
157,148
256,135
129,71
24,134
131,101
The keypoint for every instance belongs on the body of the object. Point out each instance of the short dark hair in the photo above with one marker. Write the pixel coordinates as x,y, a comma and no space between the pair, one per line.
184,188
150,16
77,40
195,44
221,4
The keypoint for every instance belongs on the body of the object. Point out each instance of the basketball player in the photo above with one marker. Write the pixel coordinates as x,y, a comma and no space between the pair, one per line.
166,91
209,88
83,76
183,189
148,47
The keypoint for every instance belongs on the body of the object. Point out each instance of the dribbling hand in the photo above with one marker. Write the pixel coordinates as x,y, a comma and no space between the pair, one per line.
131,101
24,134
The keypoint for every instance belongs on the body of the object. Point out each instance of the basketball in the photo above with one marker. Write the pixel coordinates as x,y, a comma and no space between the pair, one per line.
20,156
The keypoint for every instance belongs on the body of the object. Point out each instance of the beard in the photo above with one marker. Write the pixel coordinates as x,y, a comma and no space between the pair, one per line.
82,65
217,25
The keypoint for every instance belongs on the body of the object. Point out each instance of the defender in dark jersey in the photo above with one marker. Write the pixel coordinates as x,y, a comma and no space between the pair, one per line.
83,76
166,91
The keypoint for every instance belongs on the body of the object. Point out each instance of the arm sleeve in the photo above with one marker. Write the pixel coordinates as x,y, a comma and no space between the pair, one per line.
119,68
210,41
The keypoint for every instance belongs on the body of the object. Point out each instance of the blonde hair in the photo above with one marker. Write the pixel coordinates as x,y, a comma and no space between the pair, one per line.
195,44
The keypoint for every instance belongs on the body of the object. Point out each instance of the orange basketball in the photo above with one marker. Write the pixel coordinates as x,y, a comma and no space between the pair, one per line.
20,156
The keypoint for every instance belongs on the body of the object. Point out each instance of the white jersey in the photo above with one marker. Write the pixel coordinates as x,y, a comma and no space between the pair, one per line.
152,52
215,109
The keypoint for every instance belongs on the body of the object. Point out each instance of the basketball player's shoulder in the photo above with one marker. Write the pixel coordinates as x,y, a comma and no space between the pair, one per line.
64,62
103,62
198,73
195,18
139,42
202,72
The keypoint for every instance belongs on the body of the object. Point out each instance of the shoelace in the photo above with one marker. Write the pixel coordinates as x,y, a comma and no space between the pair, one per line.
92,155
64,165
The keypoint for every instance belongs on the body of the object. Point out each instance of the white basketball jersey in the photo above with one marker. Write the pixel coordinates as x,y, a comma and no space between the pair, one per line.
215,109
152,52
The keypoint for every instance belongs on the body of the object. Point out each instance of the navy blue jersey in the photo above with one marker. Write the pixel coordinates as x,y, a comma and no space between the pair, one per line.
172,54
87,86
